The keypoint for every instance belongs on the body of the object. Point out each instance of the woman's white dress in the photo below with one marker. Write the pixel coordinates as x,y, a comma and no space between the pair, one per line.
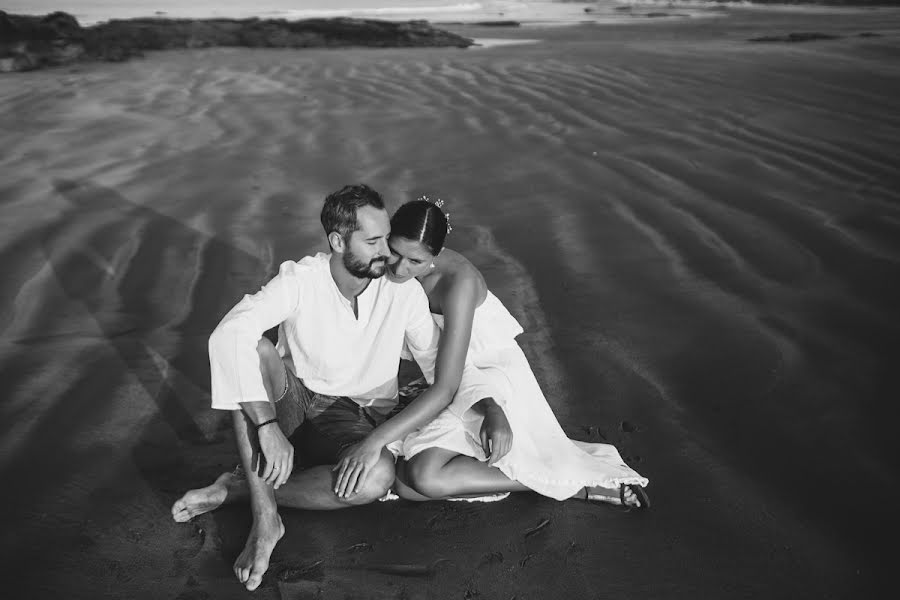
542,457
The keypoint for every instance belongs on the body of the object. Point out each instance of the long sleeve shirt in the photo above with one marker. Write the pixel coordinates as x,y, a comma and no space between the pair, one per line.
328,347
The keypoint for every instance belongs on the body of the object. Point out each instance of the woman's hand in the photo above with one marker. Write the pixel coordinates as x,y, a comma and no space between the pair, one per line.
496,434
354,466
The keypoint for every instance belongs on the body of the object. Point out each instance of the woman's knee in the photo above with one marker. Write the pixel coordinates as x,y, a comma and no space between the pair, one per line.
423,473
402,486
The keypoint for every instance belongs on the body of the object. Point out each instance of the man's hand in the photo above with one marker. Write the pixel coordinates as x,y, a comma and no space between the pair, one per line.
496,434
354,466
278,453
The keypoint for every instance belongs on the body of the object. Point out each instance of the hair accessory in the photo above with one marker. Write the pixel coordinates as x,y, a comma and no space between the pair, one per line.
436,201
440,204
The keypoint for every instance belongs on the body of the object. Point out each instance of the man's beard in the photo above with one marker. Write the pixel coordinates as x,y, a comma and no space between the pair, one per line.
373,269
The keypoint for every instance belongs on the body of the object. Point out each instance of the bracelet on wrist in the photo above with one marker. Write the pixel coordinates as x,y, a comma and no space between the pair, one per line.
264,423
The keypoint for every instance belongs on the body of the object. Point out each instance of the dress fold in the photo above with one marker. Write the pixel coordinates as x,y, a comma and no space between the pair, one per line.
542,457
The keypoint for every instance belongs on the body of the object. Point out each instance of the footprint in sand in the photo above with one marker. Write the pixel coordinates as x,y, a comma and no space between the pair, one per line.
192,595
309,572
594,433
190,541
490,559
628,427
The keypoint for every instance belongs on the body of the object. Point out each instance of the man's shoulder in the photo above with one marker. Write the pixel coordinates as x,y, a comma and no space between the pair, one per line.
408,291
308,266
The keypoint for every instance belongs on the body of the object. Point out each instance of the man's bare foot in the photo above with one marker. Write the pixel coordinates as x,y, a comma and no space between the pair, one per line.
253,562
203,500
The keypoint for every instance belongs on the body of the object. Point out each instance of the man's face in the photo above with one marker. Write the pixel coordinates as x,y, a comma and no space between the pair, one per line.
366,250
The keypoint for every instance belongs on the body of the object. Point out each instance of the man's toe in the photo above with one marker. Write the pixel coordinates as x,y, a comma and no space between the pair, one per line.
253,581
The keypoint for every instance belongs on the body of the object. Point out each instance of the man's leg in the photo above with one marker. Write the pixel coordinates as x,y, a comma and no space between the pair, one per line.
229,487
302,490
312,488
267,527
309,489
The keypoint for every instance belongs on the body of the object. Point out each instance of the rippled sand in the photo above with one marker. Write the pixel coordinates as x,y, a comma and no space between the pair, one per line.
700,235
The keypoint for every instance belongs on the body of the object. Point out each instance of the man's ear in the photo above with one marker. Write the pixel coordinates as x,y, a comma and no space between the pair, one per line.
336,241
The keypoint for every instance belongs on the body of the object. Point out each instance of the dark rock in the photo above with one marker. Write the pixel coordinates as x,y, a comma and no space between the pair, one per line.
869,34
497,23
795,37
654,15
29,42
26,28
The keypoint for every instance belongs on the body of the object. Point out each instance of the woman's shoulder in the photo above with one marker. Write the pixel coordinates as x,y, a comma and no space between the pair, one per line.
460,281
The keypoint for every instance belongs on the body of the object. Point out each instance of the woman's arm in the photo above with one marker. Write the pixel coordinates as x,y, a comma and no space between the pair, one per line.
496,434
458,306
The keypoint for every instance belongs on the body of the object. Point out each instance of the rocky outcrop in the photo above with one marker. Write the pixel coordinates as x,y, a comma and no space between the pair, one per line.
29,42
806,36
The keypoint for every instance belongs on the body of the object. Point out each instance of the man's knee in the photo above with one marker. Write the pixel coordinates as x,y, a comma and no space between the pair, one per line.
378,482
267,352
271,367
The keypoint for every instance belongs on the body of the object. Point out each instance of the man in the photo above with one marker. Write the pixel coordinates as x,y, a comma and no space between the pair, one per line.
332,379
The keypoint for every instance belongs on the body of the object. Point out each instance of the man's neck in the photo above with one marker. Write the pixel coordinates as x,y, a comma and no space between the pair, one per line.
349,286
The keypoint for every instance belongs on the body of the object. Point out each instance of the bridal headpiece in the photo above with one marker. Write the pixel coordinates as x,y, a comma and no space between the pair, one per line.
440,204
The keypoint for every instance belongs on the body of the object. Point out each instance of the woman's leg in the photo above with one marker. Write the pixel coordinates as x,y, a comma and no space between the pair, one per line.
402,486
438,473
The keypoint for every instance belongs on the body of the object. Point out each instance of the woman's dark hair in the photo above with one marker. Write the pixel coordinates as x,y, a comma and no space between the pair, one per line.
339,211
422,221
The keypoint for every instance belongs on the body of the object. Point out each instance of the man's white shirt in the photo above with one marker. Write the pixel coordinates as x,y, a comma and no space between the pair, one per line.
328,347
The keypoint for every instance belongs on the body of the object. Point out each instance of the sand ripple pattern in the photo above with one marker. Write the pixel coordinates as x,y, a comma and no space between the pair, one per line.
703,239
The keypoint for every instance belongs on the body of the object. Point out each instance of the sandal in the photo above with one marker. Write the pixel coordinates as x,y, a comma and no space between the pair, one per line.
640,501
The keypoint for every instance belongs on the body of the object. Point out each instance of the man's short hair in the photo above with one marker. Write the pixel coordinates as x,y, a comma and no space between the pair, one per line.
339,211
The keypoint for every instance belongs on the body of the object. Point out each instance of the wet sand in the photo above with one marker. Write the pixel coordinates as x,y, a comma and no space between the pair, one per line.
701,236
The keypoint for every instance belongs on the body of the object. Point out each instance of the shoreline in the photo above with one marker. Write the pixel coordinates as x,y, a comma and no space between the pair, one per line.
530,14
65,41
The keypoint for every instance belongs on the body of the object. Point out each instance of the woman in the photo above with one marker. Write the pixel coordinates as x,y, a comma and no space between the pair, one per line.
499,434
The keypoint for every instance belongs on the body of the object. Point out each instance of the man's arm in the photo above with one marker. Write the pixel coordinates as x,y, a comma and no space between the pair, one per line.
233,359
236,376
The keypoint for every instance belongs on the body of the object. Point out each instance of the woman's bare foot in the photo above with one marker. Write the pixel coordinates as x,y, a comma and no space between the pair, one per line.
203,500
253,562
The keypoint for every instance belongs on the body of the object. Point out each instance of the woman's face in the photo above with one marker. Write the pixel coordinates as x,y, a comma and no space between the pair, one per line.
409,258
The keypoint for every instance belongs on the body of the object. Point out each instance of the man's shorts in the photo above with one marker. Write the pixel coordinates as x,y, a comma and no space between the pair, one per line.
320,426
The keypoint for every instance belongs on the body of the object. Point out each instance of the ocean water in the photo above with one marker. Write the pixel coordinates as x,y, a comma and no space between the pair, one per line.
535,11
91,11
